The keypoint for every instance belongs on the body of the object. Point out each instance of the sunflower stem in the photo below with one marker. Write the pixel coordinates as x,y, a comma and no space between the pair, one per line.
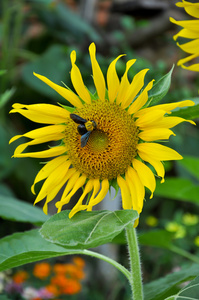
135,265
110,261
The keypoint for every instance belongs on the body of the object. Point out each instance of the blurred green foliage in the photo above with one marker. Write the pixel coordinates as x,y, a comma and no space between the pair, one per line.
39,36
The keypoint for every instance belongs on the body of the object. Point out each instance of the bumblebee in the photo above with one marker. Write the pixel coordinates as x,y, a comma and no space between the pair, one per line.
84,128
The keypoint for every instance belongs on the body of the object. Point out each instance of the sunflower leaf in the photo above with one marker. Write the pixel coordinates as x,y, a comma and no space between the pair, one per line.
17,210
167,283
190,291
160,89
179,189
25,247
190,164
86,229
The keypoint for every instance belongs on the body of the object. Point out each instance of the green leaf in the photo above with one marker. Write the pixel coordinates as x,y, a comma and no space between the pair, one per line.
191,164
188,113
191,291
74,23
46,64
17,210
158,289
5,97
2,72
179,189
68,108
160,89
156,238
4,297
86,229
22,248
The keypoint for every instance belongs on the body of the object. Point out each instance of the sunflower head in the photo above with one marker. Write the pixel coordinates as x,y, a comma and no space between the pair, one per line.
109,136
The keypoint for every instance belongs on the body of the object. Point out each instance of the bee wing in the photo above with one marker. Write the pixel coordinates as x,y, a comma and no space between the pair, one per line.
77,119
84,138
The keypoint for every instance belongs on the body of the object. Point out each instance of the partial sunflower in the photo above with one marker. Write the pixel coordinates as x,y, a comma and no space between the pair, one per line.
190,31
119,132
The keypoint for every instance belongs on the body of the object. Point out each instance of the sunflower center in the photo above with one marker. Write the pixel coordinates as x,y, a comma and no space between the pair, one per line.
110,148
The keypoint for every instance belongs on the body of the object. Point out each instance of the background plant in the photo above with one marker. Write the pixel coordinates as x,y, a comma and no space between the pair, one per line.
32,35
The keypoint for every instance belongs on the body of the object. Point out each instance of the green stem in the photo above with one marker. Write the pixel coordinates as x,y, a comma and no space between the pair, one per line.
110,261
136,276
184,253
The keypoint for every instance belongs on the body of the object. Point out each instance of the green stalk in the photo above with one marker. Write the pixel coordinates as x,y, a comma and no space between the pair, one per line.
135,265
110,261
184,253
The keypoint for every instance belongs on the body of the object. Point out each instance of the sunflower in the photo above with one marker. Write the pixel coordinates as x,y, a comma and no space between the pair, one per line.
190,31
117,149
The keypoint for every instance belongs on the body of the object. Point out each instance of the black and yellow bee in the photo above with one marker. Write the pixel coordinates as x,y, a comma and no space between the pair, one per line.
84,128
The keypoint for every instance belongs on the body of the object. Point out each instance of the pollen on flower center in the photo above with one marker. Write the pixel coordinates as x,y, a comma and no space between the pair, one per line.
111,147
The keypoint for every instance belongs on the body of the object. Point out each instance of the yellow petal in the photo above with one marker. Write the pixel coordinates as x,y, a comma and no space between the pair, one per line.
190,25
23,146
55,151
158,166
141,99
169,122
42,113
124,85
77,184
52,192
52,180
79,205
70,184
48,168
166,107
148,118
101,194
191,8
187,59
194,67
146,175
155,134
186,33
98,76
64,92
134,88
77,80
74,183
133,192
125,192
42,132
96,188
191,47
139,187
113,80
158,152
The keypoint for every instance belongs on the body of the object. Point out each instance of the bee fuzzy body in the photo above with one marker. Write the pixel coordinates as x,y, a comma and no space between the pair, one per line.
84,128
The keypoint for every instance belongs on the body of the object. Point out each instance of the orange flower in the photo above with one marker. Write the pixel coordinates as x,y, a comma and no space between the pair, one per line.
72,287
64,285
73,271
59,280
79,262
53,289
42,270
20,277
59,268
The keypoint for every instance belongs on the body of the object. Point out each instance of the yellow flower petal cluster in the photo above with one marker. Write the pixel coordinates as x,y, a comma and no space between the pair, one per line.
120,148
190,31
